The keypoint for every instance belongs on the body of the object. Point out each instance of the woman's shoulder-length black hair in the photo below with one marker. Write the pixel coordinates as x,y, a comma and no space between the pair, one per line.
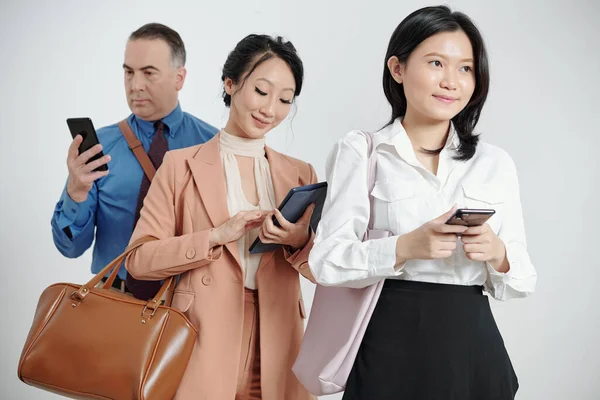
413,30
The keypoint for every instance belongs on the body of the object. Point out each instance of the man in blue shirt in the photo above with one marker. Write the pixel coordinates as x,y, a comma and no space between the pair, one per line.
103,203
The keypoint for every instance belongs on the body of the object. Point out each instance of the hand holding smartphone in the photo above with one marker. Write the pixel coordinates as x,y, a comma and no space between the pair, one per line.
85,160
85,128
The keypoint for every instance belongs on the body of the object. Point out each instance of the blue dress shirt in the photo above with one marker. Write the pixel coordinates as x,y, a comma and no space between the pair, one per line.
109,210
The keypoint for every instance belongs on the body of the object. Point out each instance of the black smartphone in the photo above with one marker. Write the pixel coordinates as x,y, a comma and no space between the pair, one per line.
85,128
470,216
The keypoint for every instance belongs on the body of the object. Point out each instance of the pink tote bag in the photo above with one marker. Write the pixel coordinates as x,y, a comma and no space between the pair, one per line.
338,320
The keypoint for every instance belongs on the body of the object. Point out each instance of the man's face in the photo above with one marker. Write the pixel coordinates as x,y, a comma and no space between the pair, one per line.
152,81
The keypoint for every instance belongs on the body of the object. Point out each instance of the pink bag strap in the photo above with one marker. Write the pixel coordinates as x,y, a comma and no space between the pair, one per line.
372,169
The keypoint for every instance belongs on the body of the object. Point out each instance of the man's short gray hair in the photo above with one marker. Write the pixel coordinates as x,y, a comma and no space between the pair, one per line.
155,30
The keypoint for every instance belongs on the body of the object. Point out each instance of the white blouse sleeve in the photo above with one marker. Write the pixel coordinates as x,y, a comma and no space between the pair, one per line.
339,257
520,280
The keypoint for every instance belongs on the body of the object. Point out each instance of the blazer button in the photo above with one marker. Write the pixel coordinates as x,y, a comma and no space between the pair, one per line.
191,253
207,280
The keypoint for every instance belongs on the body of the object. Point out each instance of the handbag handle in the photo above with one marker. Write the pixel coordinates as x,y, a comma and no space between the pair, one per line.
114,265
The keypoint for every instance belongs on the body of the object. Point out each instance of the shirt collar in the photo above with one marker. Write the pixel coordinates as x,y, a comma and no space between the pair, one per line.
172,123
395,135
453,141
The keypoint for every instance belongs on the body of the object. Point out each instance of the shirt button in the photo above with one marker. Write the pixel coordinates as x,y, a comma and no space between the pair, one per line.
191,253
207,280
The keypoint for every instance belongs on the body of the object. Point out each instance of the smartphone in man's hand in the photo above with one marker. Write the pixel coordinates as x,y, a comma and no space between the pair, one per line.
85,128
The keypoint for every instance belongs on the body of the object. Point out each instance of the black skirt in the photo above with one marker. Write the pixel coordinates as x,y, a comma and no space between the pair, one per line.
431,342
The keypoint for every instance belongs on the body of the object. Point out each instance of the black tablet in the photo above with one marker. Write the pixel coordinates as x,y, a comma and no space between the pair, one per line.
292,208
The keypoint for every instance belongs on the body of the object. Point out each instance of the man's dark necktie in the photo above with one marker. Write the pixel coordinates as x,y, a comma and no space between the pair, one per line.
146,290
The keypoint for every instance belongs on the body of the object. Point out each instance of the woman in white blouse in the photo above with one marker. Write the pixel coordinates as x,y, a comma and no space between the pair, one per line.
206,206
432,334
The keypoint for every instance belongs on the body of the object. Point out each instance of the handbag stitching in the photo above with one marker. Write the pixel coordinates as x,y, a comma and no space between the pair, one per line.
97,396
109,295
42,328
156,345
125,300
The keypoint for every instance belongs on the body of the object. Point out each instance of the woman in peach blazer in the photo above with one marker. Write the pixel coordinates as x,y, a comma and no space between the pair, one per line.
249,311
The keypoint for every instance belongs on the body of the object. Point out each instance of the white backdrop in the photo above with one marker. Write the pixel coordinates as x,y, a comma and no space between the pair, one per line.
62,59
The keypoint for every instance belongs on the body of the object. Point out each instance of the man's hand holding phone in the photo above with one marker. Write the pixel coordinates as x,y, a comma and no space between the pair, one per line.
81,173
85,160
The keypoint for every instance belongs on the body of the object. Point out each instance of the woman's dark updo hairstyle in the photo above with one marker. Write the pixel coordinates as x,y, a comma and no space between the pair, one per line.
239,64
413,30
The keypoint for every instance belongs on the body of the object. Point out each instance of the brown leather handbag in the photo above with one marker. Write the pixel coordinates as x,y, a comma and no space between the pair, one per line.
95,343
